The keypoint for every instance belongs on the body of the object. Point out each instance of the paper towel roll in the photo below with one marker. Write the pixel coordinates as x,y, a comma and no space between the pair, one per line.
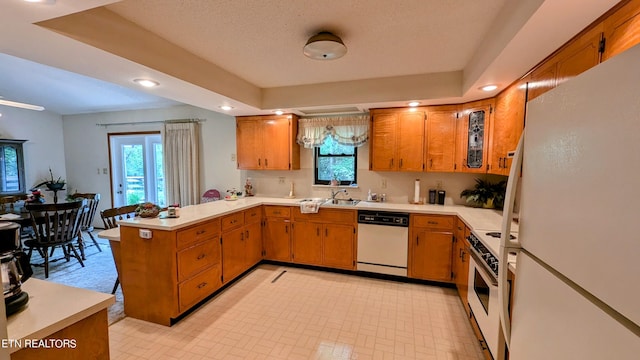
416,194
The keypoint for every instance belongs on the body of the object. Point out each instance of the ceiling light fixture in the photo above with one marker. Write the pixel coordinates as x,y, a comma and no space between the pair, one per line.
21,105
489,87
146,83
324,46
49,2
226,107
414,103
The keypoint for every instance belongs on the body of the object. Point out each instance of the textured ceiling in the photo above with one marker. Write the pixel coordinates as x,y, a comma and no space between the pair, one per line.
261,41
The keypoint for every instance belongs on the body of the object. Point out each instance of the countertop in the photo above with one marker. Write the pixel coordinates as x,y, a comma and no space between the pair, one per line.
51,308
475,218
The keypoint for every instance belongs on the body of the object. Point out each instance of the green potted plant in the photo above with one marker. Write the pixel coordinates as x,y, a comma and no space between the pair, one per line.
52,183
486,194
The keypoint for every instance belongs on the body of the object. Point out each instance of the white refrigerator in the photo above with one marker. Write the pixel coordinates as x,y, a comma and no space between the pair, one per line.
577,287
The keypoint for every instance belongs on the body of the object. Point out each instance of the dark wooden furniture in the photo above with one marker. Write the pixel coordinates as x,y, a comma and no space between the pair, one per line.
110,219
87,220
55,225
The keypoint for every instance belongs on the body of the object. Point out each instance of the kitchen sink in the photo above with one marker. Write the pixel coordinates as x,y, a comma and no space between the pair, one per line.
342,202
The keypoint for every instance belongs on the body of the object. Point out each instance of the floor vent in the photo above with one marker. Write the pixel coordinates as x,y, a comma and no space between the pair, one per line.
278,277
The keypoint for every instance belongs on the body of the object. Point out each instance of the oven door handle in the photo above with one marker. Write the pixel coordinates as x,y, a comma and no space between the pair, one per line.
479,264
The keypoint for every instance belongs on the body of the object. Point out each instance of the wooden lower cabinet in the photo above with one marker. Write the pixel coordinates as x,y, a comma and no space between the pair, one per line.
91,335
165,275
241,243
461,262
233,254
338,250
307,243
431,247
327,238
277,233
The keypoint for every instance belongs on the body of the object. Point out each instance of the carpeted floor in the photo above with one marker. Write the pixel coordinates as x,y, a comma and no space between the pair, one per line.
98,274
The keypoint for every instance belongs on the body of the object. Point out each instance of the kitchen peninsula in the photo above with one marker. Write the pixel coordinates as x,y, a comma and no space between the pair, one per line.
60,322
169,265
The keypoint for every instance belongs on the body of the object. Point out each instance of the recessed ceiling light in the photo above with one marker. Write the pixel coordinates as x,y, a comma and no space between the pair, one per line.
226,107
146,82
414,103
489,87
279,112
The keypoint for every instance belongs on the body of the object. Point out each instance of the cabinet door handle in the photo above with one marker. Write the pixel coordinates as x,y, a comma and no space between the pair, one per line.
266,162
258,161
326,232
317,231
247,237
201,285
432,222
430,163
201,256
286,229
400,163
241,236
276,212
417,240
200,232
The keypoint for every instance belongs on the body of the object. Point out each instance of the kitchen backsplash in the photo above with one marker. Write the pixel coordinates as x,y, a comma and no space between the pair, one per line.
399,185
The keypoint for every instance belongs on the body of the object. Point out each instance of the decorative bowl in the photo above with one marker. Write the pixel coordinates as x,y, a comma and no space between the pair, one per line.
54,186
148,210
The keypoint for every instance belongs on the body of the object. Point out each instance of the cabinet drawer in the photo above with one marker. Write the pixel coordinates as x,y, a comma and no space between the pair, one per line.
194,259
199,233
199,287
327,216
444,222
253,215
232,221
277,211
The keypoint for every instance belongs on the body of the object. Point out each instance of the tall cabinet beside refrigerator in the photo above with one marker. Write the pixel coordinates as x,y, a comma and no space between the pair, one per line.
577,293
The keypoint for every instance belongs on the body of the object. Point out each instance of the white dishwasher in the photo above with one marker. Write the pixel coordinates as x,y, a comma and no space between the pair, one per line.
383,242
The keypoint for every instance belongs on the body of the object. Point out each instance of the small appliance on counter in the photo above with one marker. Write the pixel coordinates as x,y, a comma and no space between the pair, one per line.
14,267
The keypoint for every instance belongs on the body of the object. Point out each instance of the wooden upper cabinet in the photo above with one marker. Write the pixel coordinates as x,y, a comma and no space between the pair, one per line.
622,29
507,126
249,142
581,54
543,78
441,138
267,142
472,143
397,140
383,141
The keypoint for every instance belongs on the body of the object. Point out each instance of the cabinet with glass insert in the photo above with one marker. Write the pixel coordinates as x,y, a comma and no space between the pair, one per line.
472,143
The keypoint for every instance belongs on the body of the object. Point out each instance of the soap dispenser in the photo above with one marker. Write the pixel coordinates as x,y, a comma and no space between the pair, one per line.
369,197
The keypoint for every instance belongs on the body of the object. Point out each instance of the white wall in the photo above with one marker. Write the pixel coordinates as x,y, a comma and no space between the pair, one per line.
87,149
400,185
44,148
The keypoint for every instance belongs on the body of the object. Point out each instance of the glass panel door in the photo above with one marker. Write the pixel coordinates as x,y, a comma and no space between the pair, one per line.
136,169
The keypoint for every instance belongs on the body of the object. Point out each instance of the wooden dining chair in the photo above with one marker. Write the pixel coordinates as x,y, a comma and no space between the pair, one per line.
110,219
55,225
89,216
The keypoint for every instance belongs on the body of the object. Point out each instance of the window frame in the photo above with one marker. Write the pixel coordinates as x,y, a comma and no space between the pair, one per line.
316,155
17,145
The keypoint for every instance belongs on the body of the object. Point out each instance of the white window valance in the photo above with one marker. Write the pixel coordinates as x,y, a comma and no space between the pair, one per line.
346,130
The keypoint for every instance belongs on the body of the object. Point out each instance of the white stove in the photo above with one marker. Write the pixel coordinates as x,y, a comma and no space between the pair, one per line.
486,243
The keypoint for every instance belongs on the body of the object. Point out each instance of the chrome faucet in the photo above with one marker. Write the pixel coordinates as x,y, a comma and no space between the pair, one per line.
334,193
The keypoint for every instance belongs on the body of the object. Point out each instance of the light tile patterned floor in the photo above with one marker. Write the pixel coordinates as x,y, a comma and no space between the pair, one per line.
309,314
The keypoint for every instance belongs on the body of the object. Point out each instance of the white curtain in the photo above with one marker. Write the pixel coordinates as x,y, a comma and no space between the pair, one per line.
181,157
346,130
